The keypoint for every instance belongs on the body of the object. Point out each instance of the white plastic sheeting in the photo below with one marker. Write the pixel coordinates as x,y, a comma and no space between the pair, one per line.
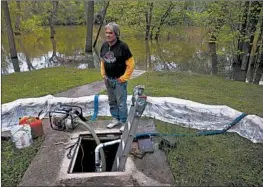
172,110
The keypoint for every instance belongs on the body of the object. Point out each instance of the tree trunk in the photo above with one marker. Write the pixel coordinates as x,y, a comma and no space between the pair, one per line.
17,24
52,17
212,47
28,61
148,16
250,73
54,47
259,56
242,31
259,71
251,28
10,34
245,41
151,33
89,26
148,55
55,58
238,74
164,16
251,68
255,54
15,63
90,61
219,22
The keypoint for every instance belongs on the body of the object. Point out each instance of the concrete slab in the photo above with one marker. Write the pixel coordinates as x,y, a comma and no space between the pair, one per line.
49,166
155,165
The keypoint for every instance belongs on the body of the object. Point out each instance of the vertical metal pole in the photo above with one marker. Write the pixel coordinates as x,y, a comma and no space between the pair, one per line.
136,110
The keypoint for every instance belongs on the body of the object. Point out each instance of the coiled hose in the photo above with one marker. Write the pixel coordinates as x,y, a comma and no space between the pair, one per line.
94,135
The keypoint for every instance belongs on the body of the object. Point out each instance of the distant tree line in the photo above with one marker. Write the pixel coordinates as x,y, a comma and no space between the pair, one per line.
238,22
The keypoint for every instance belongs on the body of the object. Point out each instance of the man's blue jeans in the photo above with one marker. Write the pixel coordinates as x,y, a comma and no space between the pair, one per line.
117,94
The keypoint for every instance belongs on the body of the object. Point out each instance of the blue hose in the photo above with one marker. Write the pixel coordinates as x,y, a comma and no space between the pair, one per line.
202,133
96,108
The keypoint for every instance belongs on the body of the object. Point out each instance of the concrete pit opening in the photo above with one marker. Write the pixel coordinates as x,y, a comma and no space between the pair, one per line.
83,160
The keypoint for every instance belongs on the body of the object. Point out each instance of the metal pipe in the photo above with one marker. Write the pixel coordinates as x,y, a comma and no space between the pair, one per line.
85,124
97,150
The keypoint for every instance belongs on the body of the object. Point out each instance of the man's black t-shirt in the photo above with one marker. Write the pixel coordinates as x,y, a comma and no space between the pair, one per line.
114,58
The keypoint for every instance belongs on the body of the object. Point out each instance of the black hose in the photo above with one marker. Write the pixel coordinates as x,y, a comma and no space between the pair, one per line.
80,115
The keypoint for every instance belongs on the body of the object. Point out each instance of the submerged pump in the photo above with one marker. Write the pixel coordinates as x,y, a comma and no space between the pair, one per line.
64,117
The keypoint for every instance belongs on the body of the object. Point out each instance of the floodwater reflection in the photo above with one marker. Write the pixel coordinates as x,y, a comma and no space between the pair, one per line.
184,49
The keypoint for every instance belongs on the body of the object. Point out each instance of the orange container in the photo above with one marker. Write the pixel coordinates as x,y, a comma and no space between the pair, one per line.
35,124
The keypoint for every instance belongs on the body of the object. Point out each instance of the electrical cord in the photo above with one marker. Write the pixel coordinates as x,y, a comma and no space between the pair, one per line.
69,155
82,157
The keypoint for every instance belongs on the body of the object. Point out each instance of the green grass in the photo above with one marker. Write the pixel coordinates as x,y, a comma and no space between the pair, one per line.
212,160
204,89
34,84
218,160
16,161
44,81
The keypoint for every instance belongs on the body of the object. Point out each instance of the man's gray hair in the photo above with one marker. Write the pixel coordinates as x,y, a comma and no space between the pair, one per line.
114,27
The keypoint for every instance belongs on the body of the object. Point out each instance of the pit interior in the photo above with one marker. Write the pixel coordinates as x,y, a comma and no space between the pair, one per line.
83,160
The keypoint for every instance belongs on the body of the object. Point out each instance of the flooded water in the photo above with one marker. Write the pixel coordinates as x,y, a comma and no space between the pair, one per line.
179,49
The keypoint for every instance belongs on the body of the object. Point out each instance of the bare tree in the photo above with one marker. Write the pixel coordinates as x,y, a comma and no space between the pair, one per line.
53,12
259,71
28,61
254,64
89,34
18,17
212,48
247,31
10,35
217,21
252,22
148,16
148,56
258,56
163,19
52,18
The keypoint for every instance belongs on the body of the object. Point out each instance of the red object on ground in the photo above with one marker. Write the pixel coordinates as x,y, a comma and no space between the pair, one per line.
35,124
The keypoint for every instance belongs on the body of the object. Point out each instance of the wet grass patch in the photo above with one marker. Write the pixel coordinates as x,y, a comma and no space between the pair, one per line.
218,160
45,81
16,161
206,89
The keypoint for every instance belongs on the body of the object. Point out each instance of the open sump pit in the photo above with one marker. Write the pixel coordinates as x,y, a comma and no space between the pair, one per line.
83,160
50,167
79,169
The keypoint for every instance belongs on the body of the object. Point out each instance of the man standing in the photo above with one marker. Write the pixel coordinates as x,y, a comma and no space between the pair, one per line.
117,65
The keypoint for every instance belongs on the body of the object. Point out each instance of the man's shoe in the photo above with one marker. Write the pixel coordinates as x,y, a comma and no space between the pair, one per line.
113,123
122,128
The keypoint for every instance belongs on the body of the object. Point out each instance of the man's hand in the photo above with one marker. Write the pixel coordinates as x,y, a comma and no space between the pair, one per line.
105,78
120,80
